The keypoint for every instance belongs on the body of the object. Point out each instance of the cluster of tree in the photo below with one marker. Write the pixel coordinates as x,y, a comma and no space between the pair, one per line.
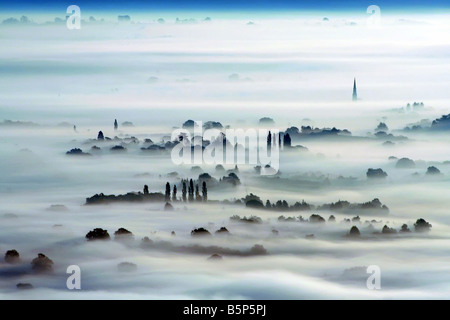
443,123
433,171
129,197
282,137
216,251
405,163
253,201
191,124
375,205
415,105
420,226
376,173
314,218
381,127
251,219
24,20
14,21
102,234
40,264
189,192
266,121
77,152
294,132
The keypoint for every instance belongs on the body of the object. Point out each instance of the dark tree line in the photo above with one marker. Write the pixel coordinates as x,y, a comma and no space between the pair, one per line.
286,140
189,192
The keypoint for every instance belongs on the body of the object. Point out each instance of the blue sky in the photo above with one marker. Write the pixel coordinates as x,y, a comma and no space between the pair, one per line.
326,5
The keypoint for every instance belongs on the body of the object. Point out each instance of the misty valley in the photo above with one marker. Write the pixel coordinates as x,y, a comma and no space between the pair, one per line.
349,200
162,227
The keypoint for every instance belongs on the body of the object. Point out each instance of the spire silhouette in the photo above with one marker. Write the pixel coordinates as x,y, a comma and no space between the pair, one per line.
355,94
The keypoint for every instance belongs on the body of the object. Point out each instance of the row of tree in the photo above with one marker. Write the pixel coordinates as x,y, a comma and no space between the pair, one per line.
286,140
188,192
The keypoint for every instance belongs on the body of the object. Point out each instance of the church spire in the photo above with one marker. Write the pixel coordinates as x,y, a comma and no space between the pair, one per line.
355,95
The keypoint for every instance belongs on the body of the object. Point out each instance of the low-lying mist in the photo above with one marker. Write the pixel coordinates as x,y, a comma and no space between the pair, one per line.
152,78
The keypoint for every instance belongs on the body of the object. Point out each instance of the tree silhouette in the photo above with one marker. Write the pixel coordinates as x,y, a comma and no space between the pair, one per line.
405,228
197,193
184,191
287,140
354,232
191,190
422,225
174,193
269,141
100,136
204,192
116,125
146,189
167,192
